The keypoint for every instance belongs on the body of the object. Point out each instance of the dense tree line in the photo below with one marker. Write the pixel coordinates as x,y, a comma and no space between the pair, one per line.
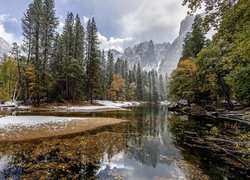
219,70
70,65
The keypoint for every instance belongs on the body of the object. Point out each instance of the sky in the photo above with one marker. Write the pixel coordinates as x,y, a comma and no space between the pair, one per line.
121,23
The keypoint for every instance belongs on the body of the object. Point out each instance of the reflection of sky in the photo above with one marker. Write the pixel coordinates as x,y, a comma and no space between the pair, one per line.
3,163
130,168
148,156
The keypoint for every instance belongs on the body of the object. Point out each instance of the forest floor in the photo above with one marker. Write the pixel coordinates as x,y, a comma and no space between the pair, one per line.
25,128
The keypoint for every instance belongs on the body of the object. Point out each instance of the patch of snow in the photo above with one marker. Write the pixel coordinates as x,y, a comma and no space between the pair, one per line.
30,121
9,104
23,107
118,103
166,103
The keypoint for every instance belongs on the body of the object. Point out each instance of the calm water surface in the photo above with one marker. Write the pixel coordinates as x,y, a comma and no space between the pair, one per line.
145,148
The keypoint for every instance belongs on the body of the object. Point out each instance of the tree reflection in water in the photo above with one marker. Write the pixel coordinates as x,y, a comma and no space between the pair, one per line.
145,148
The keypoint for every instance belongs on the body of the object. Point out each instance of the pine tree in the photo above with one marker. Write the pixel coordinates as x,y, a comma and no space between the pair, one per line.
155,94
57,69
38,25
93,61
110,68
67,40
78,39
103,78
150,87
195,40
162,88
49,24
139,84
78,80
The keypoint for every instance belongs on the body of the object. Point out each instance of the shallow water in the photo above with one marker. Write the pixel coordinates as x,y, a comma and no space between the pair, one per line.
147,147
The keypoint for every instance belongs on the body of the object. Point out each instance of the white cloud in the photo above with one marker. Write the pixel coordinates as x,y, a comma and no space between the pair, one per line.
113,43
62,1
60,27
85,20
158,20
9,37
6,17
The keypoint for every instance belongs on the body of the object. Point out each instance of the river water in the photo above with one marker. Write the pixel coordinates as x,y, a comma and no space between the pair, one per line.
150,146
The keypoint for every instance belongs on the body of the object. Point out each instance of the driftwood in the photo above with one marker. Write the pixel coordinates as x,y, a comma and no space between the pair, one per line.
219,146
218,150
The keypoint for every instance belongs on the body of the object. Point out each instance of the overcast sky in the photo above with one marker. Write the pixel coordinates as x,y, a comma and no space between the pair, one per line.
121,23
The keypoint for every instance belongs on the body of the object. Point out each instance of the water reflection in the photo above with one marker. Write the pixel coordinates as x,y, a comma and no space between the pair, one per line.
142,149
145,148
190,136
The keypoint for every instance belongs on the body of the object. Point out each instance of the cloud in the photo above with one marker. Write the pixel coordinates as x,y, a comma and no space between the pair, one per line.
9,37
6,17
85,20
113,43
158,20
60,27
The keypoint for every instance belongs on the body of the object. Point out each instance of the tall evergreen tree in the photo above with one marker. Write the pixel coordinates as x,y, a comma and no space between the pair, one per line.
195,40
103,78
49,24
139,83
93,61
110,69
67,40
162,90
39,24
155,93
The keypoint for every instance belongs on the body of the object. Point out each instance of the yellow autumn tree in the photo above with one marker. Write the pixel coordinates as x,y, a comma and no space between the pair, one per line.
117,89
8,78
31,78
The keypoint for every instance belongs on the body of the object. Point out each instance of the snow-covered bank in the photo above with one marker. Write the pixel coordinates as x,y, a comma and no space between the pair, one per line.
29,121
66,107
118,103
19,128
165,103
101,106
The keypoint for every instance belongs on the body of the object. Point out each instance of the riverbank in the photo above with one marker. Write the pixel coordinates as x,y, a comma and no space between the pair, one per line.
52,108
25,128
241,114
230,145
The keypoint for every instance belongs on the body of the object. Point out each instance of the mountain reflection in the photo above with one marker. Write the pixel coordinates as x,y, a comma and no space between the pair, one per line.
141,149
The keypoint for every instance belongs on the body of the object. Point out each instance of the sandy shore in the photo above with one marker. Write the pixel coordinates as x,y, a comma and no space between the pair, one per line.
70,126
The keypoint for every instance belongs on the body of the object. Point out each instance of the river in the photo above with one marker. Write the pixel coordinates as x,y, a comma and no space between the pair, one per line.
152,145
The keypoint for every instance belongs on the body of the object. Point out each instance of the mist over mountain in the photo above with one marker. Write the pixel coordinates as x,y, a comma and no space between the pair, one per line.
4,46
163,57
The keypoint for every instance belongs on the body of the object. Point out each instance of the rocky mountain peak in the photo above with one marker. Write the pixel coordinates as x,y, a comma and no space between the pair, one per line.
163,57
186,25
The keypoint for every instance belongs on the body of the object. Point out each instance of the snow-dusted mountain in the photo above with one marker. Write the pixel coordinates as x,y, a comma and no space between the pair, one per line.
4,46
148,54
174,52
163,57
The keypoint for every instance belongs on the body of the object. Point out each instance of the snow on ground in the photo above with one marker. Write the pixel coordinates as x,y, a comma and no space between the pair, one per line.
9,104
118,103
102,105
165,103
30,121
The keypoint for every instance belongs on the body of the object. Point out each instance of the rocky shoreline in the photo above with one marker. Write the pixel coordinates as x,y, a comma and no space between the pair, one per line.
240,114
